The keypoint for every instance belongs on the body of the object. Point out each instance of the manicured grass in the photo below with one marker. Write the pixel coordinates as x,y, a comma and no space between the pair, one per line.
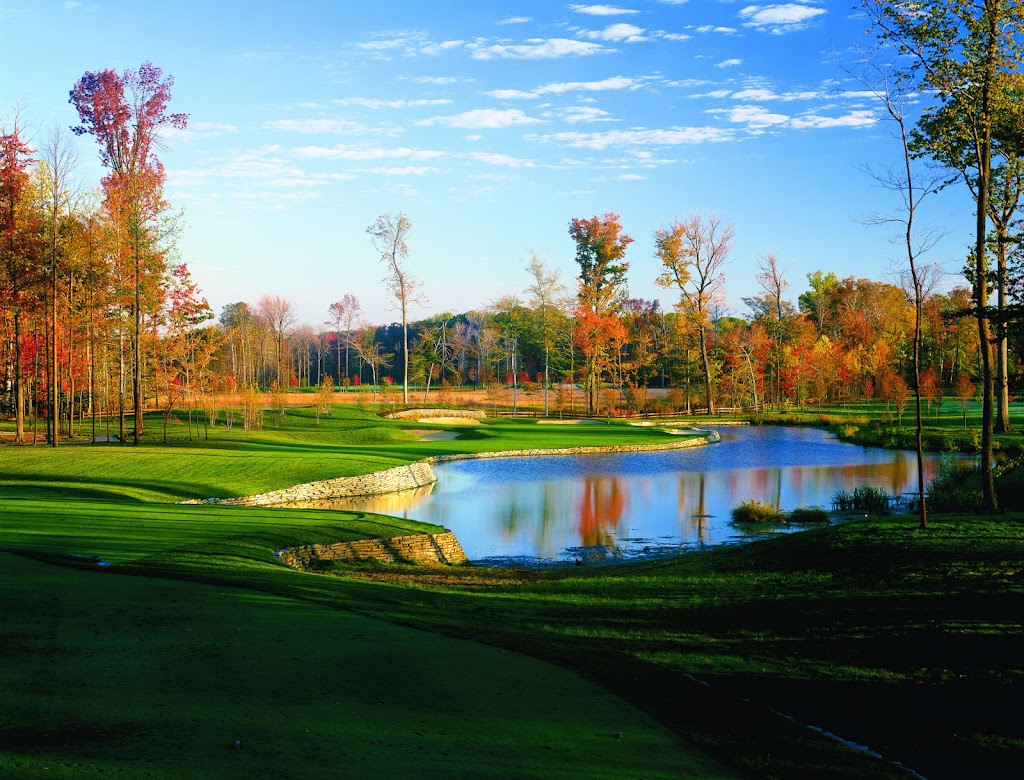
137,677
236,463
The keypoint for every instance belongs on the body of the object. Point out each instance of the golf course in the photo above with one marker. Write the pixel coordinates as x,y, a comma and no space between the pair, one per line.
145,637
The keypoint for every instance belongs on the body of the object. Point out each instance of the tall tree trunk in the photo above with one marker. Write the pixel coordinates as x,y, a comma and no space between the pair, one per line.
707,370
19,383
137,346
981,265
1002,422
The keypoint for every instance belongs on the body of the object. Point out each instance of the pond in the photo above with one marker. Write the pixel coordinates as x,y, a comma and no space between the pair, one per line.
535,510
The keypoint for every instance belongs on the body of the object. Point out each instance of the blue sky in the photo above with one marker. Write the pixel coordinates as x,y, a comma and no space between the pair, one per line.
491,126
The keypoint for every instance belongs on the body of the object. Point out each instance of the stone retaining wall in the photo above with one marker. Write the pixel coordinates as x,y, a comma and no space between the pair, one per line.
388,481
442,548
425,414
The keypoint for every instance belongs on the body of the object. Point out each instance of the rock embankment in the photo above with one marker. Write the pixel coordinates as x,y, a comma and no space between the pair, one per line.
388,481
441,548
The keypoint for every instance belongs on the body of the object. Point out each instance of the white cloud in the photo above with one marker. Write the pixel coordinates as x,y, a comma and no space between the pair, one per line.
503,160
197,131
376,103
779,19
482,118
411,170
853,119
755,94
516,20
585,114
536,49
638,137
755,116
630,177
676,36
407,43
511,94
629,33
614,82
437,48
718,94
562,87
440,80
326,127
710,28
731,63
601,10
364,153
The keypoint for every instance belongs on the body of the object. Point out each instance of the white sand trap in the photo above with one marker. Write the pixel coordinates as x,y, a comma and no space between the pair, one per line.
449,420
435,435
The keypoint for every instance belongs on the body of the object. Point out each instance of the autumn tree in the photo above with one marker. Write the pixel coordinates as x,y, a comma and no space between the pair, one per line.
600,252
324,397
389,234
692,252
125,113
962,52
964,390
57,161
17,237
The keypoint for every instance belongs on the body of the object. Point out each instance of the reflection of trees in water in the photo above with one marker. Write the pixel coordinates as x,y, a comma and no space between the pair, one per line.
523,512
602,503
397,504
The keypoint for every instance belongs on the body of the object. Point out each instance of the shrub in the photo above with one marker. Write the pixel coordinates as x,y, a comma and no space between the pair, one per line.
809,514
956,489
753,511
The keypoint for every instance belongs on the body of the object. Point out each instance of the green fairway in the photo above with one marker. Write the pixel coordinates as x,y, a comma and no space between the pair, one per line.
137,677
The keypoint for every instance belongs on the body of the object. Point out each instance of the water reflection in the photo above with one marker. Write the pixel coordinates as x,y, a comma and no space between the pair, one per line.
561,508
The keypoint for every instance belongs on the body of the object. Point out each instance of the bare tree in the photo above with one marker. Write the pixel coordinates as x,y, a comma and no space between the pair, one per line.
693,252
912,184
388,235
279,313
370,353
545,290
344,315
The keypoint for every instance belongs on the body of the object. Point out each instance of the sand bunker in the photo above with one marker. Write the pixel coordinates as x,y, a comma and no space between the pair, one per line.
449,420
435,435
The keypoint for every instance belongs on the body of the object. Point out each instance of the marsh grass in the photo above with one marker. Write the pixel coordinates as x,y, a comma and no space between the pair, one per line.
754,511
